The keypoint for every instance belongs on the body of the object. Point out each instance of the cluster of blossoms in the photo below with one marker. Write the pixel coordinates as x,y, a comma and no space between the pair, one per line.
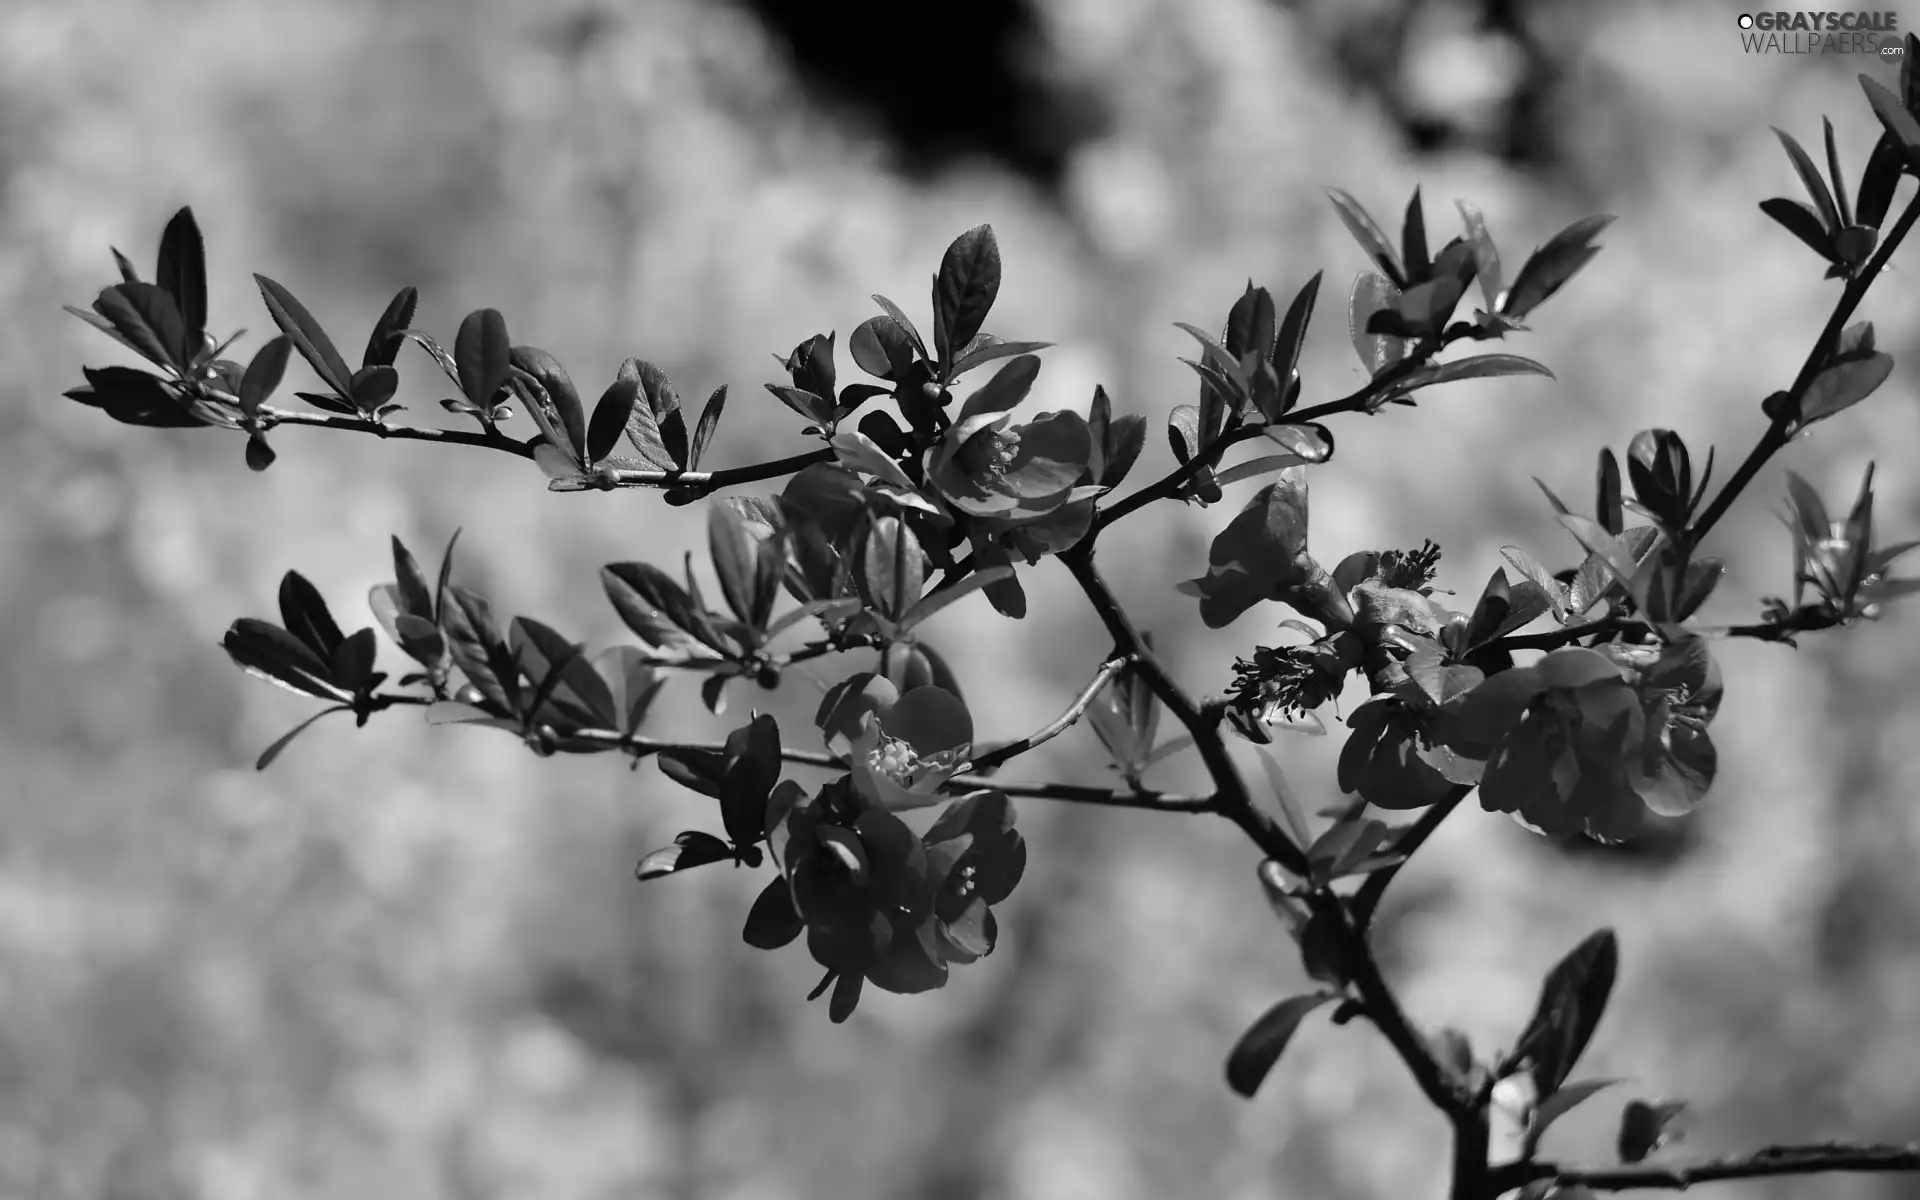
878,901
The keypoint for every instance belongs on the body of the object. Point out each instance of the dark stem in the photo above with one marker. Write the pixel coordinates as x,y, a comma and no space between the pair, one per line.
1774,1160
1472,1136
493,439
1230,797
1367,900
1781,431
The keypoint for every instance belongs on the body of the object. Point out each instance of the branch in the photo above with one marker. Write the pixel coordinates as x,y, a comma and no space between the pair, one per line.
593,741
1230,798
1774,1160
493,439
1168,487
1368,898
688,486
1060,724
1781,430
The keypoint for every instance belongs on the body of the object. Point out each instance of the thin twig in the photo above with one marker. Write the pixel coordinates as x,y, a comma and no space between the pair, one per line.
493,439
1368,898
1774,1160
1059,725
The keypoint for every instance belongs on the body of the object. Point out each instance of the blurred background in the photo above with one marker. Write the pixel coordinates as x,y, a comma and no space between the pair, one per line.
413,962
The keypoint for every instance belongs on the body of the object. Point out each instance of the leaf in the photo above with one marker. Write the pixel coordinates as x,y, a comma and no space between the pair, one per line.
690,849
906,326
286,739
133,397
1289,342
1645,1127
304,612
1260,1047
965,289
1549,267
773,921
663,613
182,273
892,568
477,649
1852,374
1413,240
482,352
1839,176
1367,232
390,331
610,418
1486,257
631,683
856,451
1290,810
752,763
1811,180
352,663
306,335
1257,556
1801,222
263,375
703,431
371,387
985,350
271,653
1608,504
933,602
656,428
1378,351
1563,1101
1527,565
147,319
1879,179
1898,121
1571,1002
1480,366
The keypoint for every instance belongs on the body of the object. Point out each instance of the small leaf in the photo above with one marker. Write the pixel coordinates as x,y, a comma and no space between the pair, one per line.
1645,1127
1259,1048
306,334
271,653
985,349
1486,257
482,352
1549,267
1878,181
704,430
1811,180
371,387
1289,342
1413,240
1480,366
146,318
1898,121
1839,176
906,326
1378,351
133,397
1367,232
610,417
1571,1002
304,612
1608,502
1565,1100
1852,374
690,849
286,739
390,331
1290,809
773,921
892,568
1801,222
263,375
182,272
965,289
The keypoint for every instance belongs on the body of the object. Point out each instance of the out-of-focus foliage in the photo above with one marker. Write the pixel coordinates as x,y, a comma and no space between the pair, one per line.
421,966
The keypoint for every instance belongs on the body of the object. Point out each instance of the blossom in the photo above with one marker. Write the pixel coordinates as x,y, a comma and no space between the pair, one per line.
901,746
1590,741
987,466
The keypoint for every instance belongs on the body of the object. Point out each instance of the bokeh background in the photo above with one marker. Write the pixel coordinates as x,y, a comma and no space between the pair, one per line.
413,962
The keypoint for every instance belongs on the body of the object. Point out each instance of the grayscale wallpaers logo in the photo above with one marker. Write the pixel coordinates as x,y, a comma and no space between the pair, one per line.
1873,34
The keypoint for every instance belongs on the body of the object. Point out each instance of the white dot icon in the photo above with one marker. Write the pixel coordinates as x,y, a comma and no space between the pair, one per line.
1746,21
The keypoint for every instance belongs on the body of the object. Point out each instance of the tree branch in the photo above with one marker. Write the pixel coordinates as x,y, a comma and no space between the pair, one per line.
1230,797
1168,486
1781,430
688,486
1368,898
493,439
1060,724
1774,1160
